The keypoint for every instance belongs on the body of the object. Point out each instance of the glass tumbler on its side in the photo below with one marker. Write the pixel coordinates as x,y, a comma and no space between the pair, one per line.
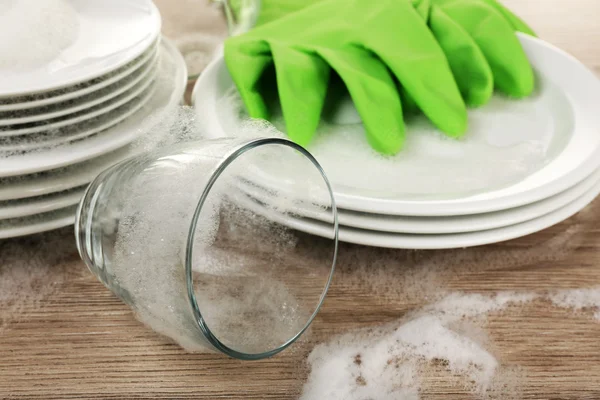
197,238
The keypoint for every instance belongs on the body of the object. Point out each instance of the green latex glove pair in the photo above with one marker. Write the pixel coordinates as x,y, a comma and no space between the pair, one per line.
442,53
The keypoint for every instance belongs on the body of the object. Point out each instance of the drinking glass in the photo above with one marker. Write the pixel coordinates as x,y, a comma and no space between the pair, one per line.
197,239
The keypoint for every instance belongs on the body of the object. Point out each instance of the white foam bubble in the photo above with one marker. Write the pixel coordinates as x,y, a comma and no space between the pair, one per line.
31,270
35,32
430,164
578,299
393,361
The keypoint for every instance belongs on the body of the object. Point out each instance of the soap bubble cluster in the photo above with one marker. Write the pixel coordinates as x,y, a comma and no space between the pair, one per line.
43,28
395,360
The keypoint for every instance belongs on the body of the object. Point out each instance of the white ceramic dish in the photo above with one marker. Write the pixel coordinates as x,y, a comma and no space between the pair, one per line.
69,122
83,89
449,241
37,223
577,157
19,187
82,103
169,92
443,225
38,205
111,33
78,132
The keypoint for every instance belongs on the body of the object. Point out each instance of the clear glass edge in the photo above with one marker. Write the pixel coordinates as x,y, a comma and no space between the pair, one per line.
217,171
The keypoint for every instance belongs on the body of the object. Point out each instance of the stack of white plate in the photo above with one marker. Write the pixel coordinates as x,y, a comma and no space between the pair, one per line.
562,119
66,120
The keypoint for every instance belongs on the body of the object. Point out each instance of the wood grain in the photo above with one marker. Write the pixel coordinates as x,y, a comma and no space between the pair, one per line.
63,335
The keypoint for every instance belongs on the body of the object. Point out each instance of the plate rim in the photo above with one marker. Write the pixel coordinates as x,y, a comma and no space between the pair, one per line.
152,51
453,224
75,176
449,241
45,203
62,140
87,115
148,69
66,217
33,165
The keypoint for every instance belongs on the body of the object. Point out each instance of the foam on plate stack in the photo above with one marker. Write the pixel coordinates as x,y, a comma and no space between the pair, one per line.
56,27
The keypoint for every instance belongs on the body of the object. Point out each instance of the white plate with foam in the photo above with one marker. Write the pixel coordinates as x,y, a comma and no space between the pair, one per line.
15,227
170,86
71,41
416,241
515,152
38,141
73,122
437,225
38,205
75,93
62,179
103,96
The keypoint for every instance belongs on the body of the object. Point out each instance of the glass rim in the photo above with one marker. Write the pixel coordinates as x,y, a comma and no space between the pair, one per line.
238,151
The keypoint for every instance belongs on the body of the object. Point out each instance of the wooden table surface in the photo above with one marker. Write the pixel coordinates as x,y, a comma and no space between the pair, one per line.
63,335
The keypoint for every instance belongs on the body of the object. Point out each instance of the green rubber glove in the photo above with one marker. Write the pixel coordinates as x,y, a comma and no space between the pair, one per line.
367,44
477,37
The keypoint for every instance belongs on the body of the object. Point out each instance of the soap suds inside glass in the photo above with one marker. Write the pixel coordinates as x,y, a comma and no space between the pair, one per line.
256,282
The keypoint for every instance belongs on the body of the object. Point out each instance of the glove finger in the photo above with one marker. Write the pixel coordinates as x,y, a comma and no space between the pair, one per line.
302,81
517,23
422,7
409,105
498,42
374,94
403,41
246,62
468,64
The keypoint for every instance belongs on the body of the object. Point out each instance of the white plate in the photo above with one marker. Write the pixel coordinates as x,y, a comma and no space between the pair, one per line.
577,94
449,241
42,204
83,130
81,103
19,187
82,89
111,33
44,140
69,122
440,225
37,223
169,91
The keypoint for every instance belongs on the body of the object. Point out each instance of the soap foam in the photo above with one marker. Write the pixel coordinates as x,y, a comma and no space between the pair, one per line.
31,270
394,361
431,165
236,302
578,299
149,136
35,32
